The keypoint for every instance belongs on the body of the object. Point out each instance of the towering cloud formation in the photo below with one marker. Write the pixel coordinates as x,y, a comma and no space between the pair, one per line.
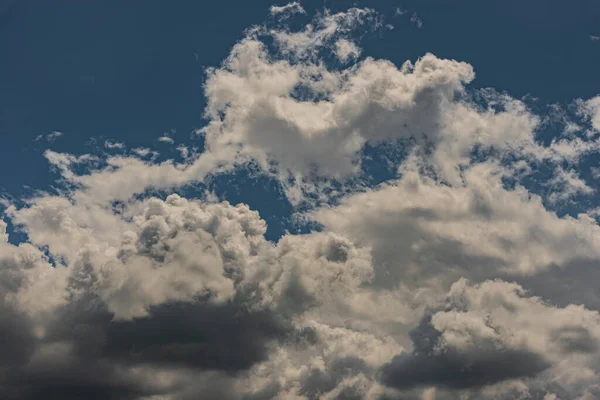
452,280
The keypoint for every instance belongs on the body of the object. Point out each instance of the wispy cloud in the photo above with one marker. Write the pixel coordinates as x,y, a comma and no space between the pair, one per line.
110,144
399,11
50,137
416,20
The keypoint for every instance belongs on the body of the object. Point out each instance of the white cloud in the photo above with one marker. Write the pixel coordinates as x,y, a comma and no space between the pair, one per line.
568,184
416,21
296,118
591,108
423,231
255,112
166,139
50,137
346,50
183,150
63,162
367,102
292,8
142,151
398,11
178,297
110,144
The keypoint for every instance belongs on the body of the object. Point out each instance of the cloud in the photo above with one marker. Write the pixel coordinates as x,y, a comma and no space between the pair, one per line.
277,104
434,365
177,297
109,144
269,125
493,332
398,11
51,137
183,150
159,286
166,139
591,109
416,21
142,151
346,50
291,8
568,185
297,117
478,228
453,279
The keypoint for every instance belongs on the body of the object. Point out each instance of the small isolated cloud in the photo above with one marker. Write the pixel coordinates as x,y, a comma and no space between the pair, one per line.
166,139
142,151
398,11
594,38
50,137
416,20
111,144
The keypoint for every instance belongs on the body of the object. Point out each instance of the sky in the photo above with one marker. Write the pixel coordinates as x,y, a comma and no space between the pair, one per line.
336,199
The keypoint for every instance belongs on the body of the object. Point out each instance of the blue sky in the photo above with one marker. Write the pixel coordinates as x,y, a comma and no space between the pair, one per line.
371,199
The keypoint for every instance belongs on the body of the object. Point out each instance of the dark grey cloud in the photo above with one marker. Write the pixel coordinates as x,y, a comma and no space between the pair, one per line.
575,339
197,336
573,283
77,380
16,340
225,338
432,364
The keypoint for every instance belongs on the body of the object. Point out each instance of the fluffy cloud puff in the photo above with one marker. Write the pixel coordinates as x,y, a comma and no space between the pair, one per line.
493,332
494,336
479,228
160,286
283,107
177,297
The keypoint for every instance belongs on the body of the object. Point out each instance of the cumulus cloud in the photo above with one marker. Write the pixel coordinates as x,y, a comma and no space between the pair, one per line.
166,286
591,108
433,365
451,280
494,332
277,103
479,228
295,115
163,286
